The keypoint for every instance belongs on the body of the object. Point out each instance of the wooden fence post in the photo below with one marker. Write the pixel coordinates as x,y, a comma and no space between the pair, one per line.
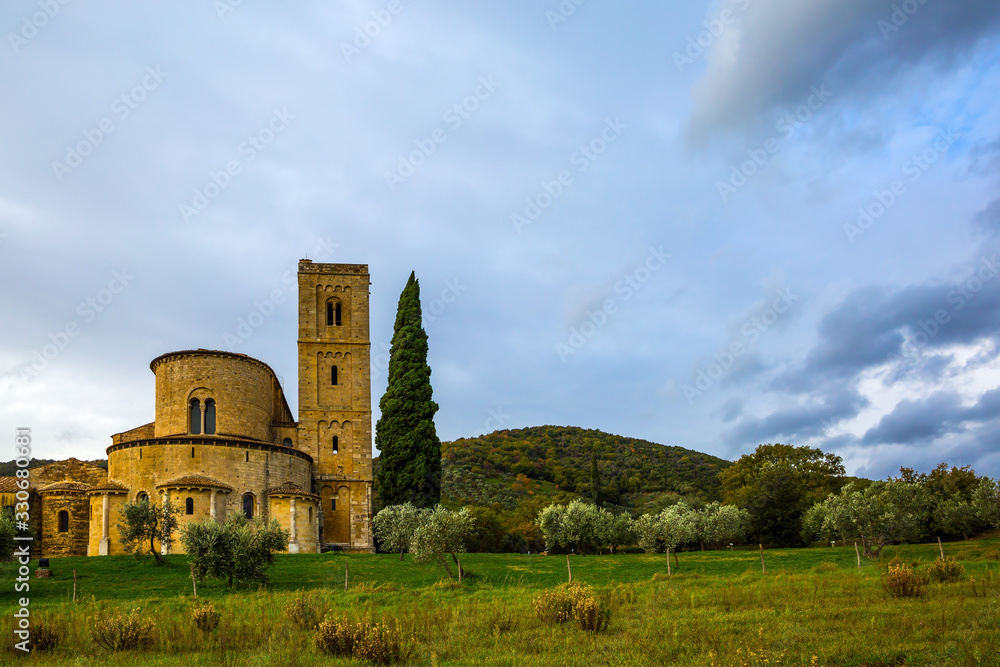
857,553
568,569
763,568
941,547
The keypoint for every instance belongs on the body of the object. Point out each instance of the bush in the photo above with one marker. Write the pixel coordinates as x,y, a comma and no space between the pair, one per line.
121,632
335,637
205,617
946,570
45,636
572,602
372,642
900,581
306,610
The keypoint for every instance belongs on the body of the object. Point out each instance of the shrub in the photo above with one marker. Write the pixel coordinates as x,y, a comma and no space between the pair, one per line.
900,581
946,570
335,637
123,632
372,642
45,636
572,602
205,617
380,644
306,610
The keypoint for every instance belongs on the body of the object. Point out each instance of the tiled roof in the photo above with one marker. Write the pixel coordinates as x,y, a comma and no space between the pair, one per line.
110,485
289,489
9,485
187,481
66,486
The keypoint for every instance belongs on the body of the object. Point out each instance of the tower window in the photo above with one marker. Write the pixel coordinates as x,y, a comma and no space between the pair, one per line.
336,443
248,506
247,459
337,314
196,417
310,515
333,504
192,452
210,417
189,506
287,442
63,521
333,375
329,313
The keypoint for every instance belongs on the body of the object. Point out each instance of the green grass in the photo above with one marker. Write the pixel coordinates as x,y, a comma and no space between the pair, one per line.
717,606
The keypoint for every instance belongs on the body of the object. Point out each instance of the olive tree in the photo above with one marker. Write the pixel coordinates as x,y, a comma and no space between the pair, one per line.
394,526
721,524
986,501
667,530
144,522
880,514
440,533
574,525
239,550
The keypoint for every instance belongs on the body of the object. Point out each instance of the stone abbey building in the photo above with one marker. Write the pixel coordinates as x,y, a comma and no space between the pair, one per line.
224,439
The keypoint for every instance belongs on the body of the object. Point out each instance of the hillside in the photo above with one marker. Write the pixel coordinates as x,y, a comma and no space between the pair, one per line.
504,467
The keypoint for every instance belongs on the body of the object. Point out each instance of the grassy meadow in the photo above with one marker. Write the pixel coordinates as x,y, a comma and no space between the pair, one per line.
812,607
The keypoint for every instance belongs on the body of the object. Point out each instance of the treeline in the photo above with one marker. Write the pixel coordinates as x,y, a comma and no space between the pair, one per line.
498,468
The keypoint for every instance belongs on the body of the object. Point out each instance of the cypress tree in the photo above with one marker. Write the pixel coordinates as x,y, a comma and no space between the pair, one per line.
410,451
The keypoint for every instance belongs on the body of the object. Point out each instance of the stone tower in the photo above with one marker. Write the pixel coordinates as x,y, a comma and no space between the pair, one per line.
335,411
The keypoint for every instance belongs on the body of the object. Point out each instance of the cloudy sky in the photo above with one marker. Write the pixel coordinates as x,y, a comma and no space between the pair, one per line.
714,226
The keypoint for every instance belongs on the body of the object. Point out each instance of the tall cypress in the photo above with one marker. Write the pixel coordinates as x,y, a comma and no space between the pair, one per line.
410,451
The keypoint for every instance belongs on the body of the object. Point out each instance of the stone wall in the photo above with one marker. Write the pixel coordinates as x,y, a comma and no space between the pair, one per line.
247,395
73,542
70,470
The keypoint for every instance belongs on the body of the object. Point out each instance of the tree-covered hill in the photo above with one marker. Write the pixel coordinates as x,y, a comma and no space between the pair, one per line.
505,467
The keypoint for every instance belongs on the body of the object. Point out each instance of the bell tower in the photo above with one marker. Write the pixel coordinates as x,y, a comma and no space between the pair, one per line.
335,405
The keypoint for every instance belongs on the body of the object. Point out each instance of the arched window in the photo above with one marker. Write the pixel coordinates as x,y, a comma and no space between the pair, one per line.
210,417
195,416
329,313
333,375
333,504
63,521
189,506
142,497
337,314
248,505
287,442
310,515
336,444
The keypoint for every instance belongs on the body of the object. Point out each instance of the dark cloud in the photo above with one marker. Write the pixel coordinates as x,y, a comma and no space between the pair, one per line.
918,422
799,423
778,50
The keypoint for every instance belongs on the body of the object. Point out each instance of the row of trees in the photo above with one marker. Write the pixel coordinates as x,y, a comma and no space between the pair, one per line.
896,511
428,534
580,526
780,487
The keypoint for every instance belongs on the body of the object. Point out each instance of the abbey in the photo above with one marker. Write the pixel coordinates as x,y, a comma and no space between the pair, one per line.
224,439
